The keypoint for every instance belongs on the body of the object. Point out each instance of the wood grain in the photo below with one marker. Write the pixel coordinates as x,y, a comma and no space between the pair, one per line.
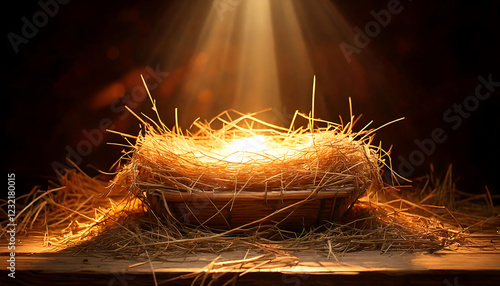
37,265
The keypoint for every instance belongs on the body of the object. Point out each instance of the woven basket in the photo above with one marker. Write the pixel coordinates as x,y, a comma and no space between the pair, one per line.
233,176
291,210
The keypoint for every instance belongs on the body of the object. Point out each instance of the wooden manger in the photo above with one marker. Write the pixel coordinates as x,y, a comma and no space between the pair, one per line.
241,175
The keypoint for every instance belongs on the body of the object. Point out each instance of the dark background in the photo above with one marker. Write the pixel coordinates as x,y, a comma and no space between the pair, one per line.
430,57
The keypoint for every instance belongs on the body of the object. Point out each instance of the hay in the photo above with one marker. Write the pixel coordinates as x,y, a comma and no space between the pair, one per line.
120,226
251,160
112,216
125,230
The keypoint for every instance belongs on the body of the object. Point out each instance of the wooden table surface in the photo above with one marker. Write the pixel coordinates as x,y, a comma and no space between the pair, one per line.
38,265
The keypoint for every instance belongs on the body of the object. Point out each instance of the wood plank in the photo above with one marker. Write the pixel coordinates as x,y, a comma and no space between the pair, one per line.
365,261
56,267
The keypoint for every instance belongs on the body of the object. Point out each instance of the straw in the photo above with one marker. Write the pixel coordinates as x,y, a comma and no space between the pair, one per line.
113,216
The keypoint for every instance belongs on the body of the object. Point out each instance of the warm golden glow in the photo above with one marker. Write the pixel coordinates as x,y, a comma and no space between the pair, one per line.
252,55
261,148
245,149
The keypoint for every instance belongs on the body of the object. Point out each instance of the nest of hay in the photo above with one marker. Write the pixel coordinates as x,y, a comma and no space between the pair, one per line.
249,171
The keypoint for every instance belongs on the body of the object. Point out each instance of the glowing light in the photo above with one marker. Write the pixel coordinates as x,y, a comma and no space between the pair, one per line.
251,144
246,149
256,148
259,54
